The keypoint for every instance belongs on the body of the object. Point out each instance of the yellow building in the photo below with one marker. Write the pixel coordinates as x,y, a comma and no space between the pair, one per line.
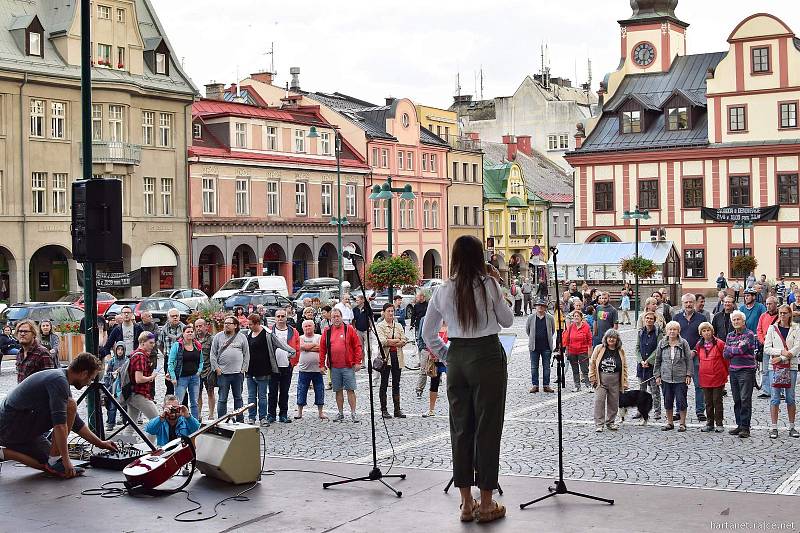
464,170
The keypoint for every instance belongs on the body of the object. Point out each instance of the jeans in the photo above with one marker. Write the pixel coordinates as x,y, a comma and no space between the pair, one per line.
226,383
742,381
257,387
192,385
545,357
655,392
699,395
112,413
303,381
393,369
766,380
789,393
279,391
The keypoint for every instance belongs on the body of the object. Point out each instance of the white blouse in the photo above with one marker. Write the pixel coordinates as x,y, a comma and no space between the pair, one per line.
492,315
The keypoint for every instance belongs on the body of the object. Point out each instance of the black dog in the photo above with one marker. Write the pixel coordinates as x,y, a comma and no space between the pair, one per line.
641,400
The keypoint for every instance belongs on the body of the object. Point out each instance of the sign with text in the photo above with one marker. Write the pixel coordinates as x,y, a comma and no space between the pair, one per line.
118,280
741,214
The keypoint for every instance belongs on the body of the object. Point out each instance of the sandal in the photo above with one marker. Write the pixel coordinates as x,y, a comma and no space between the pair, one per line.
668,427
468,515
498,511
681,428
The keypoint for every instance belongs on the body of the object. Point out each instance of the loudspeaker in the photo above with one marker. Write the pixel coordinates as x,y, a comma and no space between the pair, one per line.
230,452
97,220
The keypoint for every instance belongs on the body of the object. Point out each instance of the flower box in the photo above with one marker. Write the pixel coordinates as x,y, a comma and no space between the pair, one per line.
71,345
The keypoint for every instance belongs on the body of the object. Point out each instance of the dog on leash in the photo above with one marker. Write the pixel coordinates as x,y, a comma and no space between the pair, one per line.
641,400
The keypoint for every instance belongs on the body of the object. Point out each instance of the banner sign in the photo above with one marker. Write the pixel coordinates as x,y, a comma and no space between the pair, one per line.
741,214
118,280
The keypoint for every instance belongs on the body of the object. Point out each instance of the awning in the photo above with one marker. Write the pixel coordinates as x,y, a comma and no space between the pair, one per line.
158,255
610,253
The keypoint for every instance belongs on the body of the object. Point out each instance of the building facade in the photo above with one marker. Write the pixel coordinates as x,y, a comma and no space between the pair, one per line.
263,193
141,114
464,169
682,132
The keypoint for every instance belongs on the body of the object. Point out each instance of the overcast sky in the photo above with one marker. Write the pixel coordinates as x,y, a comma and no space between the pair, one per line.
372,49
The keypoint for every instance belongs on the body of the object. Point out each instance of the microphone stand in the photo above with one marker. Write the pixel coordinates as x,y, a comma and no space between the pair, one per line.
375,474
560,486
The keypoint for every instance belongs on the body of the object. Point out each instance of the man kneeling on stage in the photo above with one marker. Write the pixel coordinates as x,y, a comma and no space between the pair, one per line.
41,402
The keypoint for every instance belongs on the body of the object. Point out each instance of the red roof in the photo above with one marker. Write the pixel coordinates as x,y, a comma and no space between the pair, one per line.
220,108
555,197
203,151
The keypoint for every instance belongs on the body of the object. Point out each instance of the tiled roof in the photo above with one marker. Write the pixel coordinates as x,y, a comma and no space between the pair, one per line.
542,177
687,76
207,151
216,108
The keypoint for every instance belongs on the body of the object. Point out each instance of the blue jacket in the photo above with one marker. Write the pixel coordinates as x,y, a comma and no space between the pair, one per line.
175,361
160,428
752,315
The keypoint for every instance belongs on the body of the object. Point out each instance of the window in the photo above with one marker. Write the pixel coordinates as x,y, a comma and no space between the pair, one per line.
300,205
567,232
272,138
386,204
737,118
424,162
789,262
455,215
410,161
522,223
165,130
631,122
97,122
120,15
120,57
39,192
59,194
242,196
475,172
555,225
552,142
104,55
563,141
466,215
403,215
604,196
273,200
148,120
465,171
34,43
736,252
166,196
37,118
375,157
350,199
400,160
385,158
694,263
299,141
115,123
149,192
58,111
376,214
789,115
677,118
434,167
161,63
692,193
760,59
412,215
476,216
739,191
455,171
103,12
648,194
494,224
197,131
327,199
435,215
210,195
240,131
325,143
513,219
787,189
426,216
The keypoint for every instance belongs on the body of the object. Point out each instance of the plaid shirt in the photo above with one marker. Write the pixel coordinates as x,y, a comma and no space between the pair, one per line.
140,360
31,361
169,334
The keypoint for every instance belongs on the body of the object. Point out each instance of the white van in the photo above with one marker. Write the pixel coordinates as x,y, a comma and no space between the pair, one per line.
251,283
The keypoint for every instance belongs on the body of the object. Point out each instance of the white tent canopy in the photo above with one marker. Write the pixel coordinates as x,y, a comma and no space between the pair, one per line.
600,261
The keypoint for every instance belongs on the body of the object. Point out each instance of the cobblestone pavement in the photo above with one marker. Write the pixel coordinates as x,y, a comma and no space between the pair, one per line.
634,454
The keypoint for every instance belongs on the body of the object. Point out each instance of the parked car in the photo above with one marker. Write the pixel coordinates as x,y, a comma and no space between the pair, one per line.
57,312
104,300
408,294
326,289
158,307
251,283
191,297
430,283
249,300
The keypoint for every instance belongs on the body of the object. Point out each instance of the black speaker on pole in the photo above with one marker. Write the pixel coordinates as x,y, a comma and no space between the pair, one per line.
97,220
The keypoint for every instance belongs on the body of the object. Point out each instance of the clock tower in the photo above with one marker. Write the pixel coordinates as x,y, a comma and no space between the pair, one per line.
652,37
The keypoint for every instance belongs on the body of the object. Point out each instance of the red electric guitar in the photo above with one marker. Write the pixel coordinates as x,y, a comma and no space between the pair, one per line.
150,471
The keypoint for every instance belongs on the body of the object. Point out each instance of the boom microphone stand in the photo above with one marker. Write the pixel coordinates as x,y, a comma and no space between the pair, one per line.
560,487
375,474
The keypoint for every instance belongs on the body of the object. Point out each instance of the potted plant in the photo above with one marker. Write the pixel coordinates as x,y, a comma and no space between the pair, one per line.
212,312
73,341
744,264
638,266
392,271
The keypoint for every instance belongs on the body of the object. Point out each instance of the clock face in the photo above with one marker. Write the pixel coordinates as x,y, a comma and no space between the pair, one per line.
644,54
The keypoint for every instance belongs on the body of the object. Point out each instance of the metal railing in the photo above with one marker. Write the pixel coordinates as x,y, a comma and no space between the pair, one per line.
462,143
116,152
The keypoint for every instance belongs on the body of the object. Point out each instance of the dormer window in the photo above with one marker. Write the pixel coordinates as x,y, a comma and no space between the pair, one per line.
34,44
28,34
760,60
631,122
156,56
161,63
677,118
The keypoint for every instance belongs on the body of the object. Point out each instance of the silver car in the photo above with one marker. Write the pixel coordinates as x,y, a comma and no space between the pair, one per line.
191,297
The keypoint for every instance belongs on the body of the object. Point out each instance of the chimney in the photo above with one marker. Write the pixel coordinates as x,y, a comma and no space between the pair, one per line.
511,146
291,101
580,135
233,90
524,144
390,100
263,77
214,91
474,136
295,72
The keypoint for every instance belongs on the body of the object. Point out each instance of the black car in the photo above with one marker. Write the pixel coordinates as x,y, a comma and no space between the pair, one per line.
57,312
249,300
158,307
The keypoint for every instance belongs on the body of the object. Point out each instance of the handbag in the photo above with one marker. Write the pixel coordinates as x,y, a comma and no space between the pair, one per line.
781,372
431,370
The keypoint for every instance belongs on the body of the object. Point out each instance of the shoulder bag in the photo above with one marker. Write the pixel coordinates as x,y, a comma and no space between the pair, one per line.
781,372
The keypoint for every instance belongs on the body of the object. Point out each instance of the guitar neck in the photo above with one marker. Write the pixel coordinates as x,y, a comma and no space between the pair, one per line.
220,420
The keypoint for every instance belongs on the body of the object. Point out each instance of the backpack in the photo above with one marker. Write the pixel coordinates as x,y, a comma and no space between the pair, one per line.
125,383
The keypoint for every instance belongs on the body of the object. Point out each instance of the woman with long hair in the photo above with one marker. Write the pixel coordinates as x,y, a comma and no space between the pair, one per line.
472,304
782,345
49,339
185,364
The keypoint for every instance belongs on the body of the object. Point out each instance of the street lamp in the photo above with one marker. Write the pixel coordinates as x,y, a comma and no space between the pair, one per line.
386,192
636,215
743,225
338,220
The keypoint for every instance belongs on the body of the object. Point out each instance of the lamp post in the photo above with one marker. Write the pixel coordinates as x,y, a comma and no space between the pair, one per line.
636,215
386,192
743,225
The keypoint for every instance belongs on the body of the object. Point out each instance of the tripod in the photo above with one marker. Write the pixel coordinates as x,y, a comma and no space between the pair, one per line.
450,484
375,474
560,486
96,388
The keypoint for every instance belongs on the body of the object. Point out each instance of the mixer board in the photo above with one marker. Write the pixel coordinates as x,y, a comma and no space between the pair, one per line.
116,460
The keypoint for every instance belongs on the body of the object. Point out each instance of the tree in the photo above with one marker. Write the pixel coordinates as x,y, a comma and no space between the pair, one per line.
392,271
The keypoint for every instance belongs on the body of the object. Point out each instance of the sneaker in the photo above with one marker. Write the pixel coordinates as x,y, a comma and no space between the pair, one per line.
354,418
419,393
719,429
735,431
534,389
576,388
745,433
701,417
794,433
109,427
612,426
251,421
763,395
773,434
637,416
598,429
339,418
284,420
264,422
58,469
707,429
270,419
548,388
428,414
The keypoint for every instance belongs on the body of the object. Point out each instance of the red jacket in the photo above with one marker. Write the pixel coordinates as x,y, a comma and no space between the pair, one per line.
713,367
352,342
293,340
578,340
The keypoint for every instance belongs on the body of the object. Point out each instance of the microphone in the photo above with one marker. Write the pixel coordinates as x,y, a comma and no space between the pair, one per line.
348,254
